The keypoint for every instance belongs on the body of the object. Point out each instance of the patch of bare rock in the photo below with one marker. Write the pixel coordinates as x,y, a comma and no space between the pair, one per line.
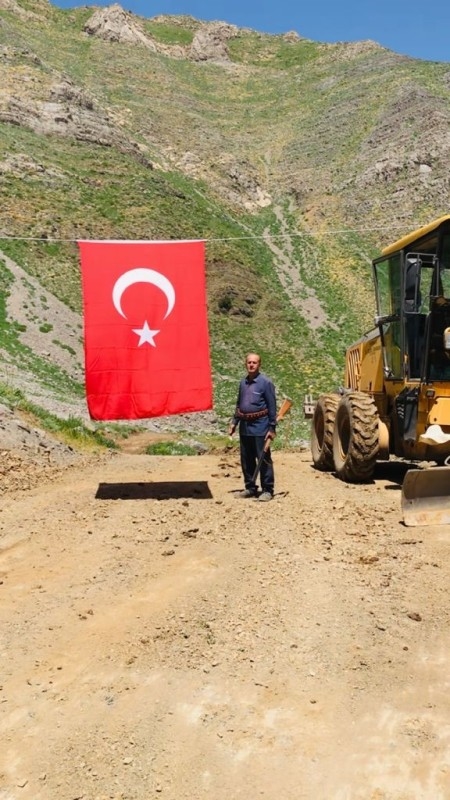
114,24
28,454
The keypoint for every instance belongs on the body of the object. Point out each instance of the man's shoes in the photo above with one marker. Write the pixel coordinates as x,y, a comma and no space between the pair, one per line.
247,493
265,497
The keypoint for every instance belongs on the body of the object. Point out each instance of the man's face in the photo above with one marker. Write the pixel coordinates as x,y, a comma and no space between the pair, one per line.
252,363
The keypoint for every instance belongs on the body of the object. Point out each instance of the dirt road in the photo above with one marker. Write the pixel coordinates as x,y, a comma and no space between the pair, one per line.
162,638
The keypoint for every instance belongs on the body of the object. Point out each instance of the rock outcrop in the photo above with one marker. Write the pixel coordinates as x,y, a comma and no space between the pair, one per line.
210,42
116,25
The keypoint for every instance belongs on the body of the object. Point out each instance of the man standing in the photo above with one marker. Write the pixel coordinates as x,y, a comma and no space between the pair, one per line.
256,415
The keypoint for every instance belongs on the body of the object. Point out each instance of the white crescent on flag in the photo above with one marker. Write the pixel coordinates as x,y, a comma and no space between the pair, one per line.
142,275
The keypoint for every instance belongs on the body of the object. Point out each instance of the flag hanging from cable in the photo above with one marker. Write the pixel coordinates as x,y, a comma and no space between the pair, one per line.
146,336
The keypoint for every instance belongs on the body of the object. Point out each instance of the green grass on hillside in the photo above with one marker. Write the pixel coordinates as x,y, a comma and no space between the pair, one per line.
187,150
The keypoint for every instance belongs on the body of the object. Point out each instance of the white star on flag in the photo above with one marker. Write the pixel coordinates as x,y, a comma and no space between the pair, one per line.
146,335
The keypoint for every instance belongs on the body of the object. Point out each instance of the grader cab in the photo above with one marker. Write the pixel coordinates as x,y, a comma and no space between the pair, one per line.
395,399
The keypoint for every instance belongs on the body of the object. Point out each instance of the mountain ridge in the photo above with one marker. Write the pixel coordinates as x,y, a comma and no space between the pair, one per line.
295,161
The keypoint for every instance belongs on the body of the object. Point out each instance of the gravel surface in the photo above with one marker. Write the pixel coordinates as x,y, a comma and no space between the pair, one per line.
162,638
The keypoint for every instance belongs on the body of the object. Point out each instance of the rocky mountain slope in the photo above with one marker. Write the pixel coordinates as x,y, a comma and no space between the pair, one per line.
295,160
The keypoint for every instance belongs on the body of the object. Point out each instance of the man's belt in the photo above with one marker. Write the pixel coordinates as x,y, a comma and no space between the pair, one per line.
252,415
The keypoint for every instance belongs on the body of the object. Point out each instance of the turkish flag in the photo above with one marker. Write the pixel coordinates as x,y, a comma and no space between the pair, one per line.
145,328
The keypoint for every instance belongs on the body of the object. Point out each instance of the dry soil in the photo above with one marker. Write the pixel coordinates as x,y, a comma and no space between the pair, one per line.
162,638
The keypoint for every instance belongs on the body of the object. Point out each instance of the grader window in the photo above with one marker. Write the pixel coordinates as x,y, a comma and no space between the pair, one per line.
393,366
426,283
445,266
388,288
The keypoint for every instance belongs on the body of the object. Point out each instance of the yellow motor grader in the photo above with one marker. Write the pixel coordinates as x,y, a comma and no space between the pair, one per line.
396,394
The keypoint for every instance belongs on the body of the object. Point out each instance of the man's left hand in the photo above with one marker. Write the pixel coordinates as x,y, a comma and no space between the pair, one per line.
270,435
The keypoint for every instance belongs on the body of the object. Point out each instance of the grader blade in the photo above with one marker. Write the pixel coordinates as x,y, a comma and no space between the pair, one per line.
426,496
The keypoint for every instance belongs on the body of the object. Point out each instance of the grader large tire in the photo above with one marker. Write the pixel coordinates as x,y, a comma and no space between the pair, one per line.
355,438
322,432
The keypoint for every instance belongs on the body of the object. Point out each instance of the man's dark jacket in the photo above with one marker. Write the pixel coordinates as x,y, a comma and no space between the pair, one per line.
256,395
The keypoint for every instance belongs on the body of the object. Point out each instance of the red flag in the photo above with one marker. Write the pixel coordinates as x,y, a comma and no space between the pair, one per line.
146,329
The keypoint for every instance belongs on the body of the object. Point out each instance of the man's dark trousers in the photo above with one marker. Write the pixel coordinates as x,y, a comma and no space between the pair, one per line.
251,449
